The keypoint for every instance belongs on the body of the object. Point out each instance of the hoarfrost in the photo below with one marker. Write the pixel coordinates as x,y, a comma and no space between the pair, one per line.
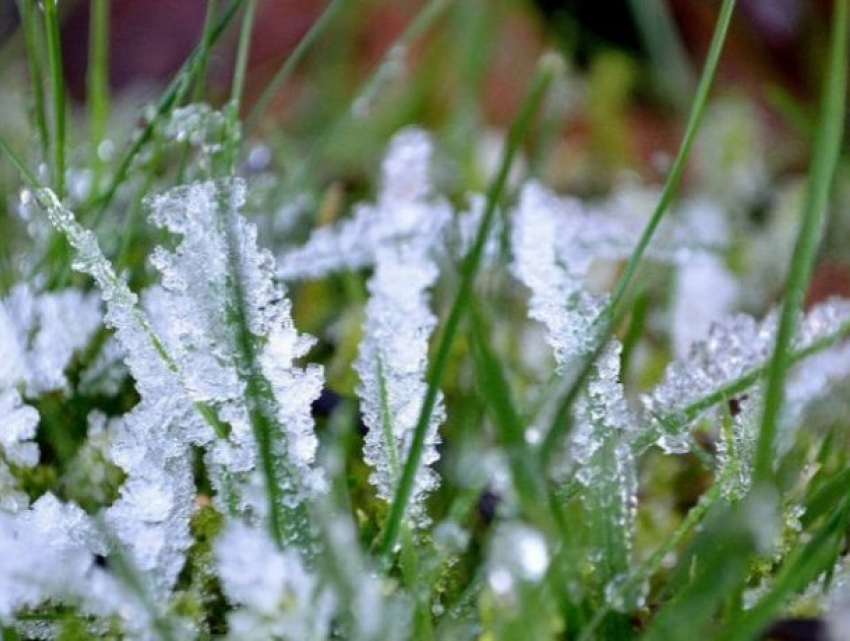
400,236
558,297
39,333
213,282
734,349
554,244
275,594
36,543
392,364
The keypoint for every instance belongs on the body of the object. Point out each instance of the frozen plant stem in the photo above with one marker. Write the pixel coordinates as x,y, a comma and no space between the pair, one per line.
546,70
826,152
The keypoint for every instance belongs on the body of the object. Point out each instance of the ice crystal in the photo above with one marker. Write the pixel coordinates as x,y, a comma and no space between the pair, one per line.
39,333
559,299
17,447
600,447
275,594
392,363
557,240
735,348
48,553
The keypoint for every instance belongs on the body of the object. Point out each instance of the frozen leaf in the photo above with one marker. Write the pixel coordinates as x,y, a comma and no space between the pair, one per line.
400,236
392,363
227,323
558,297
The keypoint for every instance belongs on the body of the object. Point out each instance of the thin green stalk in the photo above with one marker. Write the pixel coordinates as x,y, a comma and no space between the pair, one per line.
826,152
675,175
98,84
546,69
240,68
204,54
57,86
292,61
199,86
32,40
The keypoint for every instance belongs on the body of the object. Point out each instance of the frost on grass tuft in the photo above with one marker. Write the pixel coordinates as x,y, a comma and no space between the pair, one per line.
228,326
275,595
400,236
196,367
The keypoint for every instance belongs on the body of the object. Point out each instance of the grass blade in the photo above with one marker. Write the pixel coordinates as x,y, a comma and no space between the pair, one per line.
825,159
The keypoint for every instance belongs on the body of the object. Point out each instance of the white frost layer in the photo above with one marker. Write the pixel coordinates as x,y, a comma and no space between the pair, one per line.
734,347
276,596
39,333
215,275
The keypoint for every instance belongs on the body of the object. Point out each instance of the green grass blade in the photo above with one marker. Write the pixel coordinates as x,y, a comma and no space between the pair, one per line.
35,61
234,137
98,84
825,159
674,177
57,87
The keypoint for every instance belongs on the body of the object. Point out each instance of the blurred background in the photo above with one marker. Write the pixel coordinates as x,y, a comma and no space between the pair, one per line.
638,60
632,66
